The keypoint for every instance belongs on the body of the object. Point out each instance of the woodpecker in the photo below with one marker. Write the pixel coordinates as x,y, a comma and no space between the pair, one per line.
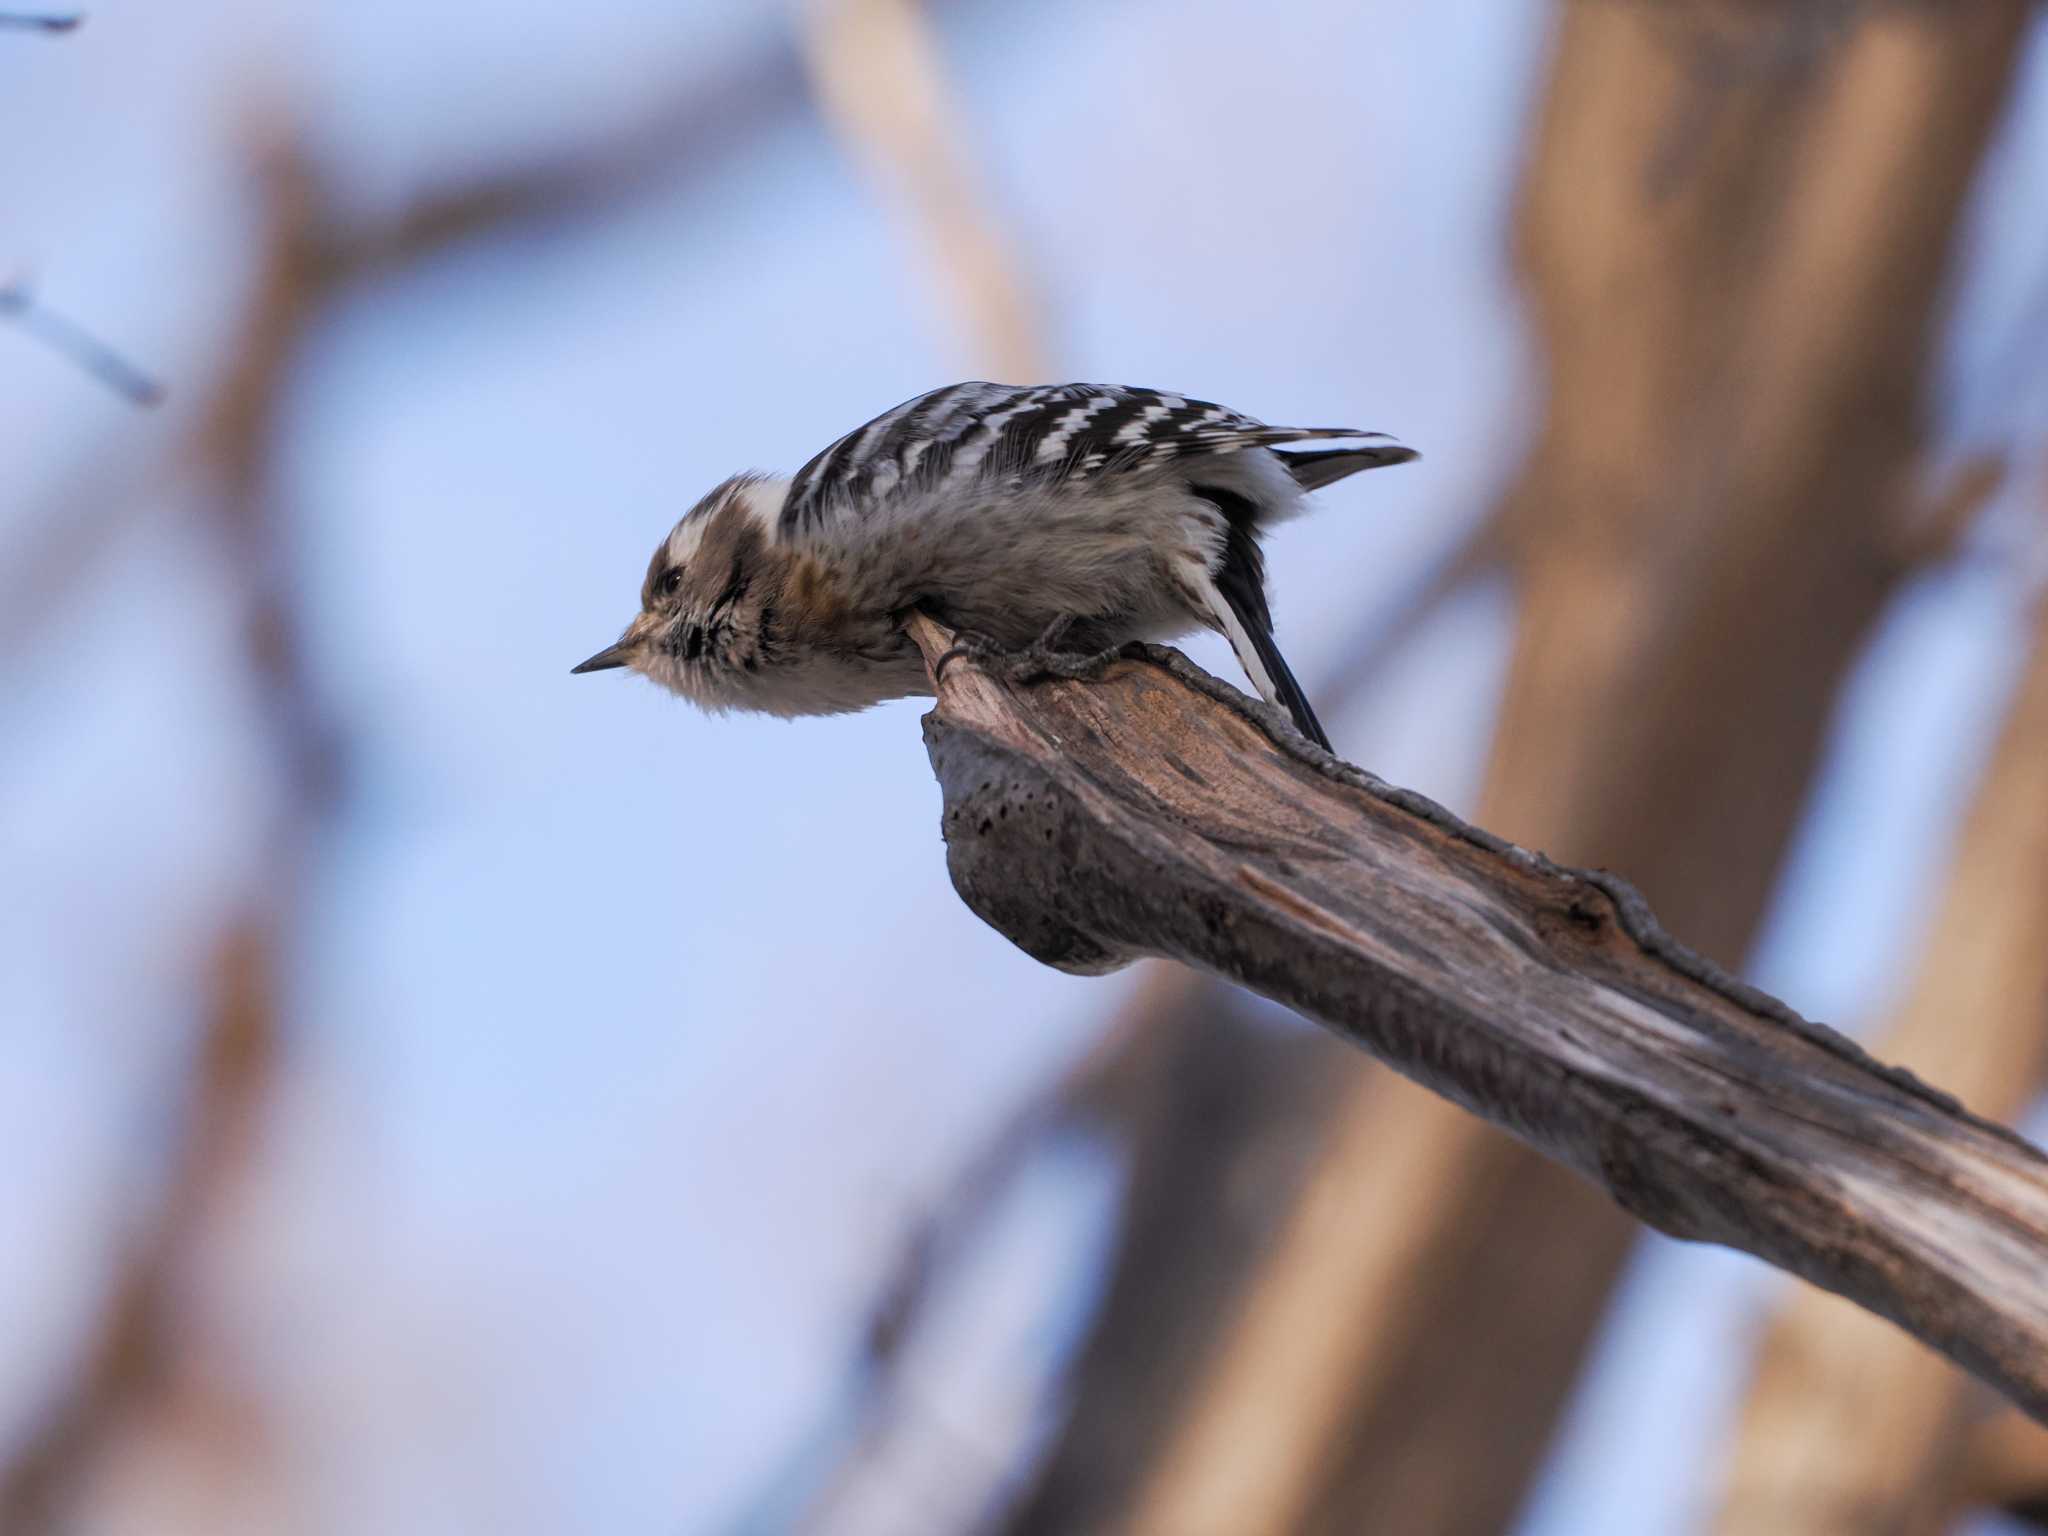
1085,515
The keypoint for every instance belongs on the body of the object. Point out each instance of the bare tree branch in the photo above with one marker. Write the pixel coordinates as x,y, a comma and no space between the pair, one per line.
1105,811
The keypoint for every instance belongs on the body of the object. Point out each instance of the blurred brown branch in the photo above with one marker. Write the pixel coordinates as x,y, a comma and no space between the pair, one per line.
2005,1467
1096,813
311,256
1850,1427
1205,1069
141,1370
135,1357
687,136
877,73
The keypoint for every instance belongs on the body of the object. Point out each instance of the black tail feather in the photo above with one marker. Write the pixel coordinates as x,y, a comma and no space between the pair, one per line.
1326,466
1291,696
1242,580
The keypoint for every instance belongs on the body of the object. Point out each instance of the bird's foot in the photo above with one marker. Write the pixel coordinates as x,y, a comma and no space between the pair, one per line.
1051,656
1044,657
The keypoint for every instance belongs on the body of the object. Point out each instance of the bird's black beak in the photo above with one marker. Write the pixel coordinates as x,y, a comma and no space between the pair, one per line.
611,656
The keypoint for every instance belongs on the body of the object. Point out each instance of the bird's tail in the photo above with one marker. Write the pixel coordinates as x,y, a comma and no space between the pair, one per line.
1239,608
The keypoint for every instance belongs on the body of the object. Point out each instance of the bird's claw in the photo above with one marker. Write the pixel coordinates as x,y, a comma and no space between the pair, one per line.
1040,659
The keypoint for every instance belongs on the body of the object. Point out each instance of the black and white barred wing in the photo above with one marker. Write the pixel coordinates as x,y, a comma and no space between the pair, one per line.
969,434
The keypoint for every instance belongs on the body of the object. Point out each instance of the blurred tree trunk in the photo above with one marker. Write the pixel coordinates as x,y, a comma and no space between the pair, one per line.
1851,1427
1735,228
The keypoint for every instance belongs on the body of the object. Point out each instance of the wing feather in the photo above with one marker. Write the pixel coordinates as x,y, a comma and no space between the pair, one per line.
970,435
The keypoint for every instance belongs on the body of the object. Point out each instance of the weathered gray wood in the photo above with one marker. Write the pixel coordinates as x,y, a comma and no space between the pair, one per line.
1102,811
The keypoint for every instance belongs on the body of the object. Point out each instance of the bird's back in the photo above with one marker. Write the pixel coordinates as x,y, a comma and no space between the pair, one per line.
966,437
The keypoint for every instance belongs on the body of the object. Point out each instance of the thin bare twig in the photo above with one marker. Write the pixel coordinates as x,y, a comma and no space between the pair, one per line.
48,21
73,341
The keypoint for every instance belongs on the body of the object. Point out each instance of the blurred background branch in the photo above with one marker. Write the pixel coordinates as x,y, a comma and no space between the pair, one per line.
876,69
142,1370
41,21
2003,1468
149,1374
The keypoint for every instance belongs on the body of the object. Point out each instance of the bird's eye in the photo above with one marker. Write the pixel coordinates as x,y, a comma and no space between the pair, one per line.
671,579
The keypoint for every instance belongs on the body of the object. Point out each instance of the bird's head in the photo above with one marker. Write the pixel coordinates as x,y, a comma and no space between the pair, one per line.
707,620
